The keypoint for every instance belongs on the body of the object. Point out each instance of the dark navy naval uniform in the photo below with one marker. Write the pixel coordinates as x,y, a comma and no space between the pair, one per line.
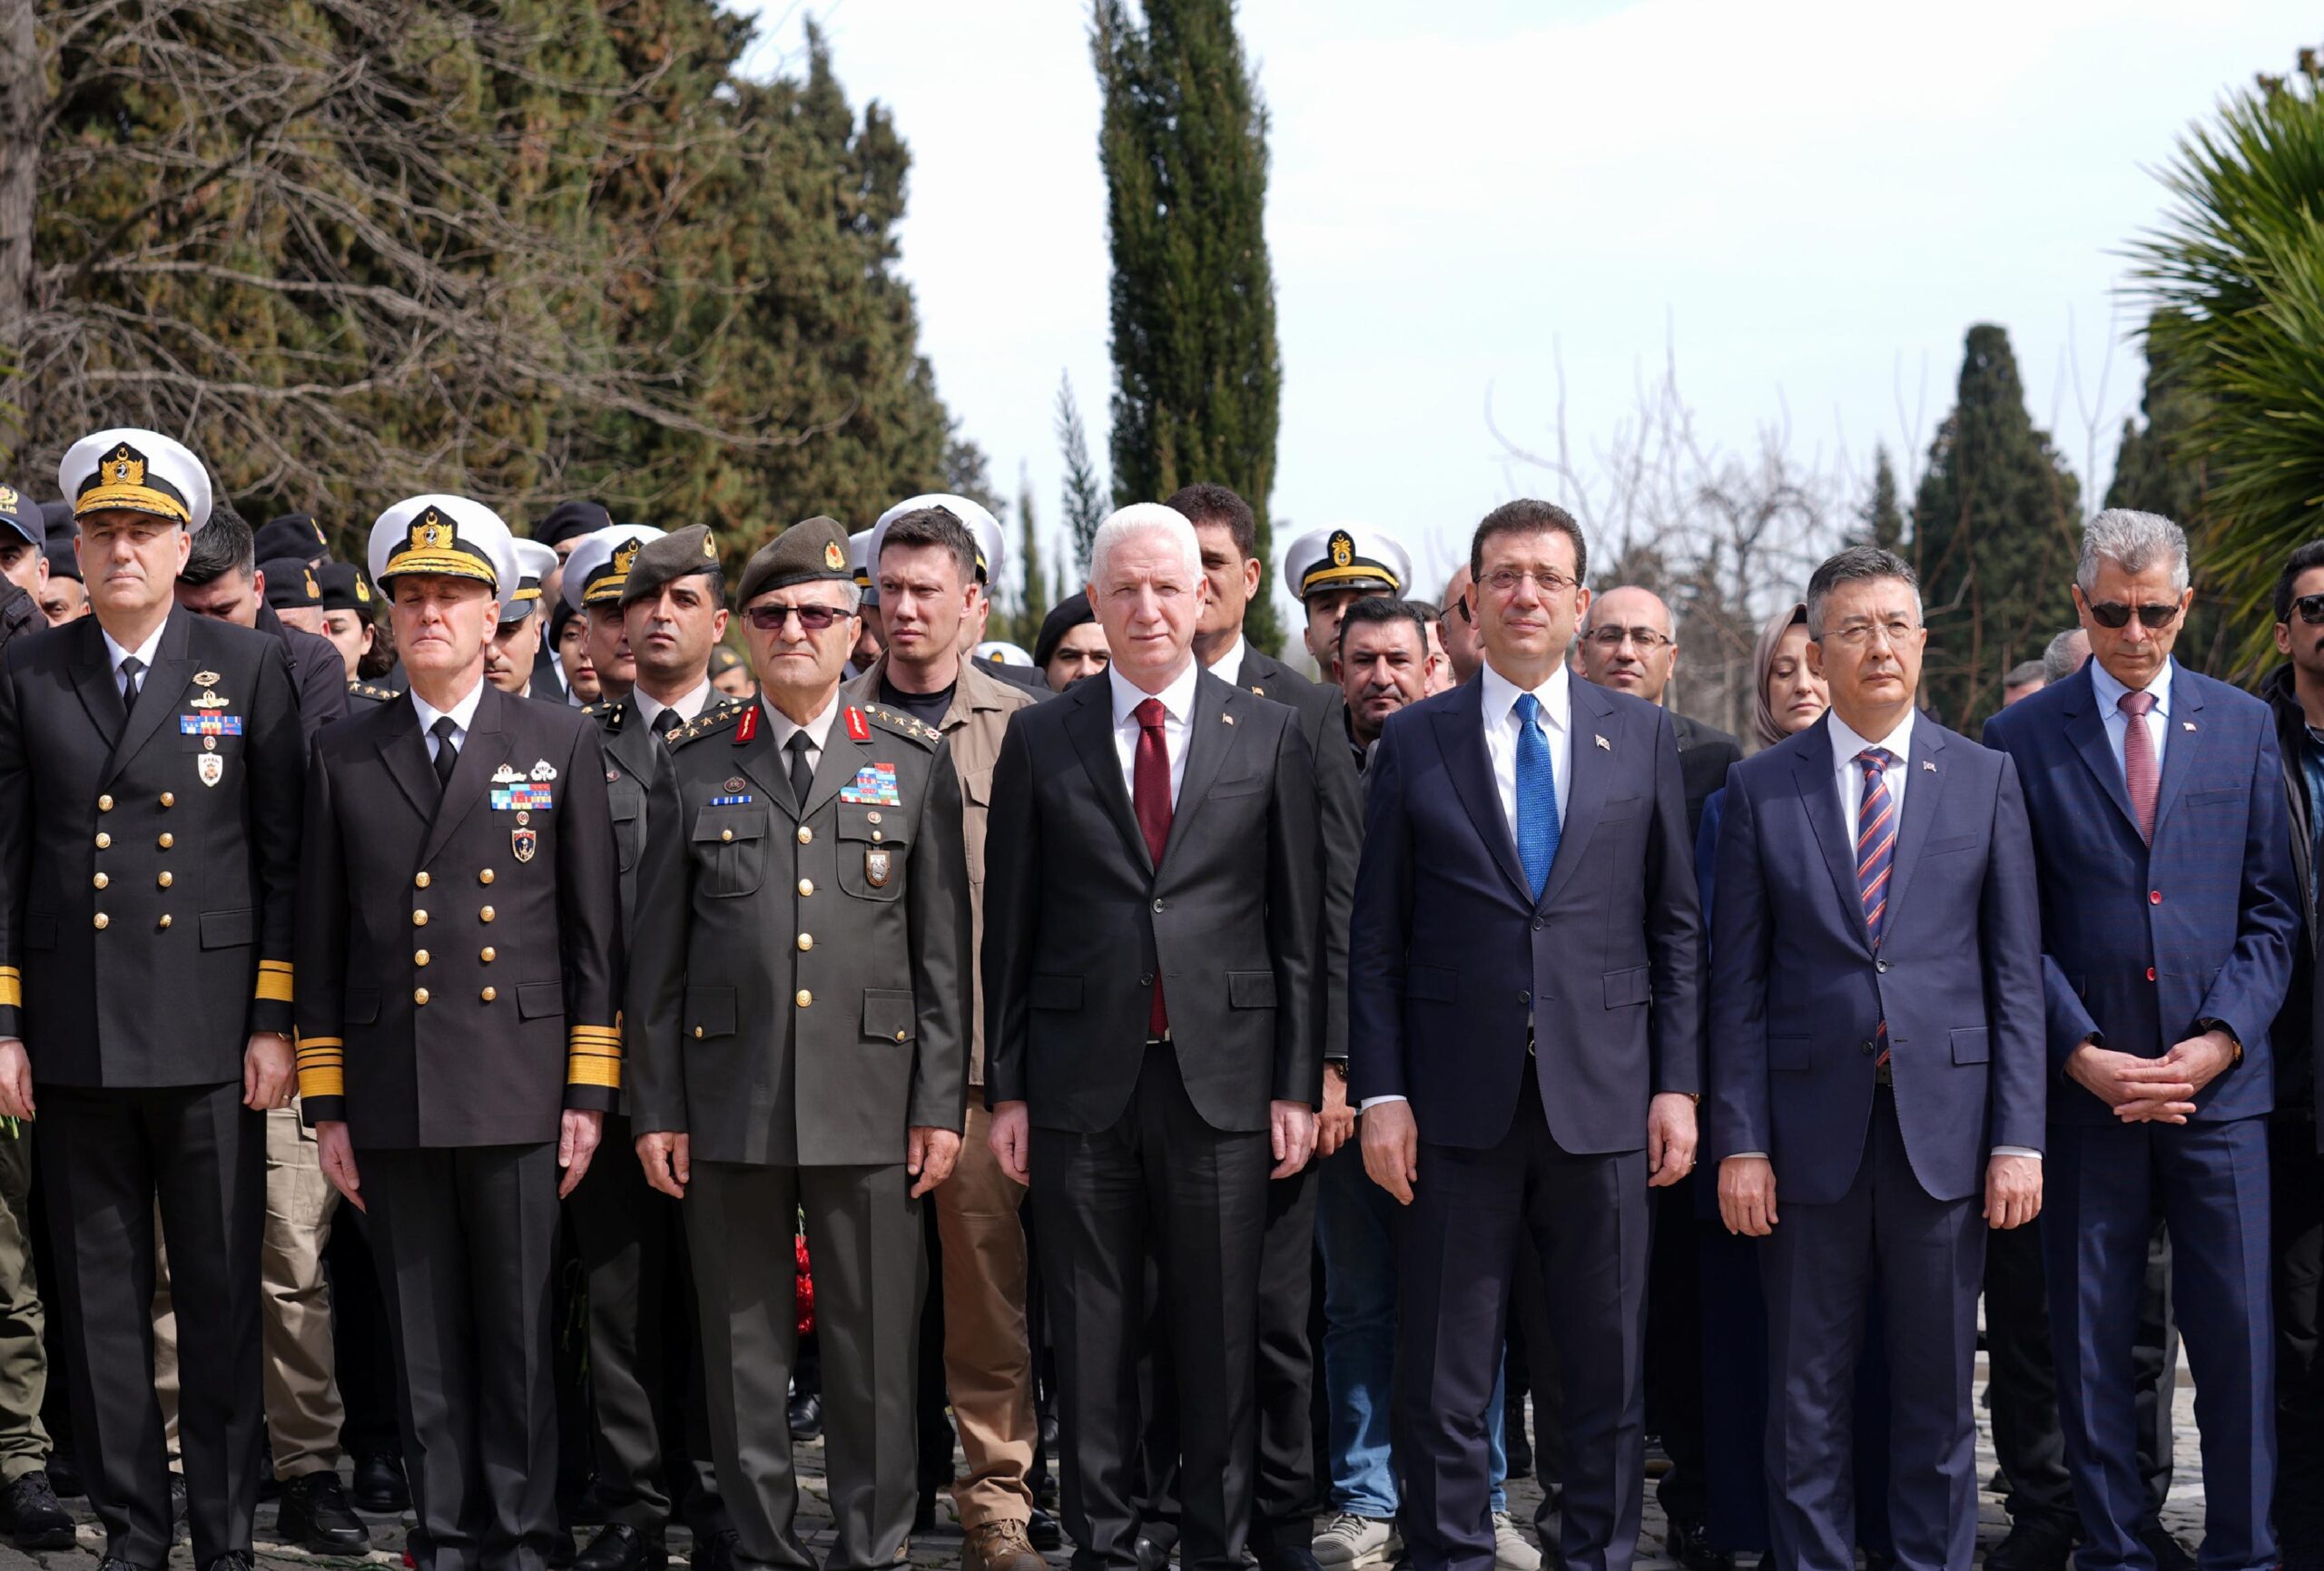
148,860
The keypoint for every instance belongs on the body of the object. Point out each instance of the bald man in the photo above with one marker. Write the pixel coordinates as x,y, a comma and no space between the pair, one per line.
1629,644
1456,626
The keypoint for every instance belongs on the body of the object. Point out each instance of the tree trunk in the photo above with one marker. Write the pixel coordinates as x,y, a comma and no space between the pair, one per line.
23,96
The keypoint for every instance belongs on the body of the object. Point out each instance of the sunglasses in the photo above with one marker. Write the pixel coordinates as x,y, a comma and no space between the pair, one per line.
2153,618
812,618
2311,608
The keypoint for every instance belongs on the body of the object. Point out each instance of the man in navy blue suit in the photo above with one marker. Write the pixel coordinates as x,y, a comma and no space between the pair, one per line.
1523,1039
2156,798
1876,1056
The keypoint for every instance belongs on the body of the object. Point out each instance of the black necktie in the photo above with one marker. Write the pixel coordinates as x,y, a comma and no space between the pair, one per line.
803,773
447,755
665,722
129,668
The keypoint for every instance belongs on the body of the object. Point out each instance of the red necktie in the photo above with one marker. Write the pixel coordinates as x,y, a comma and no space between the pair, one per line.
1150,795
2138,759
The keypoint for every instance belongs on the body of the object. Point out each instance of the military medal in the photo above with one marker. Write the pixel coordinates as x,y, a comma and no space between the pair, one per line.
524,843
209,766
879,862
874,782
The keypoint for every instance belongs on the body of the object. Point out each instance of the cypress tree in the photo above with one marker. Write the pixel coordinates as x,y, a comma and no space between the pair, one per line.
1883,518
1033,602
1996,529
1183,143
1085,506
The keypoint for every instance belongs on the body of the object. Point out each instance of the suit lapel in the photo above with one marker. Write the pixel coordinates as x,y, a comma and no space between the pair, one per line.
1819,793
2086,729
1461,737
1590,715
1091,727
1923,799
158,693
2182,727
485,750
842,756
405,752
1210,732
93,679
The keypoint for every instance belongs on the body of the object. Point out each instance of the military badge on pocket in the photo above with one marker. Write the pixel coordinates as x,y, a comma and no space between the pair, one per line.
524,843
879,863
209,767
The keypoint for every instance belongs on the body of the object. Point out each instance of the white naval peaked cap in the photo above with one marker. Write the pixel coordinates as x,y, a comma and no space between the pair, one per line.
992,553
859,552
596,569
136,470
450,535
535,563
1347,556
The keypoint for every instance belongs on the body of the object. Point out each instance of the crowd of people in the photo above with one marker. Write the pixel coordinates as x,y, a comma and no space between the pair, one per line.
483,1035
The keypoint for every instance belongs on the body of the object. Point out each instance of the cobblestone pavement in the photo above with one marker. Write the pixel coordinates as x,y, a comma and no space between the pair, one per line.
2182,1515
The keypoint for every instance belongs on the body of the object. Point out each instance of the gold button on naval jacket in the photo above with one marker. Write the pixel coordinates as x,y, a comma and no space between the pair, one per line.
486,914
166,842
166,880
420,995
725,834
489,955
420,918
806,940
419,880
103,840
900,1035
485,876
802,999
169,799
806,886
806,835
105,804
104,921
419,957
489,994
875,834
697,1033
101,881
164,923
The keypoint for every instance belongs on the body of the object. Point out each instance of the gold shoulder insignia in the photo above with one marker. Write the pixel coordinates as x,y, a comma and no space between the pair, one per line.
375,693
928,736
593,709
710,722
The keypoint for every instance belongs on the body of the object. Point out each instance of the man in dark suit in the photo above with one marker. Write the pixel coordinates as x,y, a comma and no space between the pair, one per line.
1523,1037
1875,1060
1152,964
220,579
1285,1483
460,948
149,840
821,1075
2157,802
1630,644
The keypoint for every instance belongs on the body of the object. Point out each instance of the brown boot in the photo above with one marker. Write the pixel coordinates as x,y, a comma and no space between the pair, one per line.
999,1546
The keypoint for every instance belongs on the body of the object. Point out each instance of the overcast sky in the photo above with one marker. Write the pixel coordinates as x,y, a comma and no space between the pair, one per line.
1807,202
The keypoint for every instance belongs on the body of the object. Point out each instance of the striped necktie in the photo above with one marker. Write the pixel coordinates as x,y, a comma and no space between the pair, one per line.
1875,857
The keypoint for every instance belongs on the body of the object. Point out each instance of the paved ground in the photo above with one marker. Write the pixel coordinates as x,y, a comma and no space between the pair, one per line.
2183,1516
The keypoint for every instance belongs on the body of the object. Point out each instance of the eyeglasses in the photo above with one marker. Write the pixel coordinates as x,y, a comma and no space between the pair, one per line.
812,618
1610,639
2311,608
1861,635
1505,580
2153,618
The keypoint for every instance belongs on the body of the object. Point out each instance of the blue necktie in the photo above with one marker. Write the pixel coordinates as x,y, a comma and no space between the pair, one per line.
1537,797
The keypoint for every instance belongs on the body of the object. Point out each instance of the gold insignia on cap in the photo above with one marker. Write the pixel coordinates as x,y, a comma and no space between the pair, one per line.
362,590
7,499
314,590
429,532
127,468
1343,549
834,557
709,549
625,553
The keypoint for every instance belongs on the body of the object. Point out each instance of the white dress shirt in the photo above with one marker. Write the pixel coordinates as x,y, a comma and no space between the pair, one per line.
115,653
1177,717
1848,776
818,730
463,715
688,707
1228,667
1502,729
2108,691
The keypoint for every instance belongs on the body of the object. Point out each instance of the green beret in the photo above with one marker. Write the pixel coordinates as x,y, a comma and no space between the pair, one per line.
812,552
680,553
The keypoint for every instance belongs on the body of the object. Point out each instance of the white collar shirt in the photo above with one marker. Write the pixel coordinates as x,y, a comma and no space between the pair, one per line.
818,731
463,715
2108,691
1849,774
688,707
1178,719
1502,729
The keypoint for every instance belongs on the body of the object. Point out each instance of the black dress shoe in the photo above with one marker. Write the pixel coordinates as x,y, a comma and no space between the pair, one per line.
923,1512
315,1515
1288,1557
2032,1544
380,1484
1043,1532
1514,1447
29,1510
806,1418
621,1548
115,1563
177,1508
1689,1547
2169,1554
1874,1560
232,1560
715,1551
1154,1546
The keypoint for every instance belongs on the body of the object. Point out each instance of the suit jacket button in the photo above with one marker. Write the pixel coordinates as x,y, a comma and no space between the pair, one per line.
104,921
1146,980
103,840
164,922
802,999
105,804
489,994
807,836
1867,1049
485,876
806,886
2154,896
419,880
1540,922
1881,967
166,880
1524,996
2150,973
1157,906
420,995
419,957
166,842
486,914
806,941
489,954
101,881
169,799
420,918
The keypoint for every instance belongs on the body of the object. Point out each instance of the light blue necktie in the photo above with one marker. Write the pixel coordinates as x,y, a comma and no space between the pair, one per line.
1537,796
